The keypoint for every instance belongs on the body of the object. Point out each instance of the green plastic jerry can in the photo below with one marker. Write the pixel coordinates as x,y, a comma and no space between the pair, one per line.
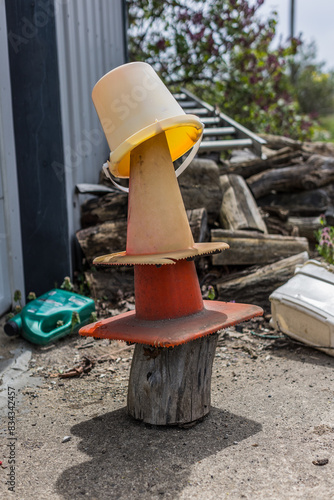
49,317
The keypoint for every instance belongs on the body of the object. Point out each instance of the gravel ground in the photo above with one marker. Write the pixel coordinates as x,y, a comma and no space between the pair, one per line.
269,434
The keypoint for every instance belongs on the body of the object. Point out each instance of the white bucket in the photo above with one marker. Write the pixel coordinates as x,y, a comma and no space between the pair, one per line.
134,105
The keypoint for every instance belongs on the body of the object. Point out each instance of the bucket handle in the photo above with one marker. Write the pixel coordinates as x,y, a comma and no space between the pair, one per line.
178,171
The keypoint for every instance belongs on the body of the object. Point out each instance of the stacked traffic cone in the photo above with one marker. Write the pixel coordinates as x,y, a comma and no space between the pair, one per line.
169,306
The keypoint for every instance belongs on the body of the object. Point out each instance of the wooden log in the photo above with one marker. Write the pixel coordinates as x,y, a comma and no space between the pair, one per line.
295,226
110,236
200,187
316,147
247,248
172,386
110,207
304,203
278,142
320,148
102,239
198,221
277,225
316,172
283,158
255,287
306,226
280,213
114,284
239,209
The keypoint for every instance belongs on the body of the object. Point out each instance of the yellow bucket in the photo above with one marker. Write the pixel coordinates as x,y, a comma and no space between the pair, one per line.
134,105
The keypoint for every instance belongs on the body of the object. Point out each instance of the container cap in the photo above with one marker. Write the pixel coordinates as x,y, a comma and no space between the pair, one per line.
11,328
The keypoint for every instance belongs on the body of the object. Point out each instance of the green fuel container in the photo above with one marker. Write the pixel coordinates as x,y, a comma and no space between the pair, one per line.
49,317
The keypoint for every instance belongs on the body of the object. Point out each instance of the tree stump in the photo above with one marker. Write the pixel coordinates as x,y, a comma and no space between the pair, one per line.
172,386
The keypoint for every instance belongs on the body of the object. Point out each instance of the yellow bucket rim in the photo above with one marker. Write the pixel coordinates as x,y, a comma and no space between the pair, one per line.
119,160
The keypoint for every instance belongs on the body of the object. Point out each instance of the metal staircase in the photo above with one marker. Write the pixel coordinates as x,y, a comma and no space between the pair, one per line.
221,133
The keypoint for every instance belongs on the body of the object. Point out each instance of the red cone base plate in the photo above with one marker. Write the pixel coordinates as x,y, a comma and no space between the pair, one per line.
215,316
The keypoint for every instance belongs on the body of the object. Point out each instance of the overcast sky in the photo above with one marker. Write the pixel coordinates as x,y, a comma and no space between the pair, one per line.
313,18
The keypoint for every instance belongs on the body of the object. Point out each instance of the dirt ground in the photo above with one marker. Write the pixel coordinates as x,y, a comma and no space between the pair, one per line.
269,434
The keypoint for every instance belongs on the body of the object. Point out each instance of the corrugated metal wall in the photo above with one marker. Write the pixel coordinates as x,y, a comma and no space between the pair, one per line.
11,265
91,42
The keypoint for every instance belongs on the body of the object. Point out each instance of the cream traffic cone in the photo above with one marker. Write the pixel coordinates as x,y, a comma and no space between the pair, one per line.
158,230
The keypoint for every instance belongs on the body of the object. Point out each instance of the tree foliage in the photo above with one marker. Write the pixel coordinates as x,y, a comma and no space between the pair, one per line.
220,49
314,87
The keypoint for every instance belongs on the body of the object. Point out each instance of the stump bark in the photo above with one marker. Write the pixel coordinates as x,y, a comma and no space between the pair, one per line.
172,386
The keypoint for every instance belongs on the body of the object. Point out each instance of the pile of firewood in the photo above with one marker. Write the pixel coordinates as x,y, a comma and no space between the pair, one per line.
266,209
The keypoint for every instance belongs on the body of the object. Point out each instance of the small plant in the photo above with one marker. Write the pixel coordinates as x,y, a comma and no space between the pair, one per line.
9,316
211,293
18,297
67,285
31,296
325,238
93,317
75,320
17,308
83,284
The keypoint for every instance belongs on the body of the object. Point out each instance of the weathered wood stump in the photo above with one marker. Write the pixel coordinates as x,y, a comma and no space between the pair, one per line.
172,386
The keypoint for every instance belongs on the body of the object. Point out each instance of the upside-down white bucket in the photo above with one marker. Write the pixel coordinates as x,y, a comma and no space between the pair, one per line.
133,105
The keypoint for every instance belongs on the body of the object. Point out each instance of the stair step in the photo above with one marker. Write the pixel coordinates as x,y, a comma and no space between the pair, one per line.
197,111
188,104
210,120
219,131
223,145
180,96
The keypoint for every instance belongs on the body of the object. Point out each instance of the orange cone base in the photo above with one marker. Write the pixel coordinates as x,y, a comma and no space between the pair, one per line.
215,316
